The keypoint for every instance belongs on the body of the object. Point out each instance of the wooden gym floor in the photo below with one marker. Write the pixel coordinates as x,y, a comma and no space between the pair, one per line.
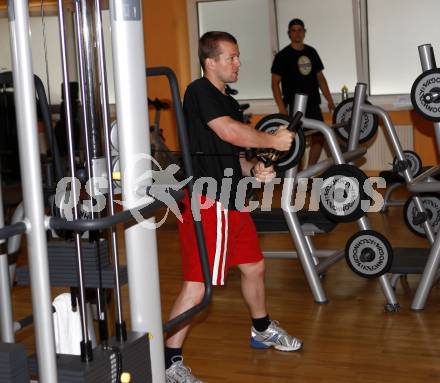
350,339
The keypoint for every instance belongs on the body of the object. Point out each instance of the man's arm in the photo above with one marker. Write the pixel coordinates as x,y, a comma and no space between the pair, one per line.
322,81
276,90
245,136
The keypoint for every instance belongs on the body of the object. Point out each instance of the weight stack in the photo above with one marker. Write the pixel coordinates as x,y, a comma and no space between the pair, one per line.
71,369
13,363
63,266
134,354
61,254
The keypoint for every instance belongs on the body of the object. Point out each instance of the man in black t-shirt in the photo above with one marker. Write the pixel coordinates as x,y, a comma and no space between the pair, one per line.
298,68
217,135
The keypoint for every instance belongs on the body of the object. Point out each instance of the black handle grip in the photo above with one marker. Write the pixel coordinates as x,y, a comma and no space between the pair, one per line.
249,154
273,154
295,121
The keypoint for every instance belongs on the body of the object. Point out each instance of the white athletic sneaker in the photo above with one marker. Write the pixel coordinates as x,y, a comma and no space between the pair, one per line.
179,373
274,336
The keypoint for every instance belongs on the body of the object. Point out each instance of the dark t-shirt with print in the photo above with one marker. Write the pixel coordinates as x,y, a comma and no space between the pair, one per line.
212,157
298,70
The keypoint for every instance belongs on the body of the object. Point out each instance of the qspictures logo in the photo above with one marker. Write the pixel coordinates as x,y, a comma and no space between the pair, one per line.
337,194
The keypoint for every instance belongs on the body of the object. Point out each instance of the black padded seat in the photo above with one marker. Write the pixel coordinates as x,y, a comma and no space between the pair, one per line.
274,222
409,260
394,178
391,177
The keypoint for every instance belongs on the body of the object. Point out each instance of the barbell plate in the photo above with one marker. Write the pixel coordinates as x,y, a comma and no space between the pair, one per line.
291,158
431,203
342,193
369,254
427,83
342,116
414,160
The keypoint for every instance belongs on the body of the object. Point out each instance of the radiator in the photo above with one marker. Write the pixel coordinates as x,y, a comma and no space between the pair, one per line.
380,154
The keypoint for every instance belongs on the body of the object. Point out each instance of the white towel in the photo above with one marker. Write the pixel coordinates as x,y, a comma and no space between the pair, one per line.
67,326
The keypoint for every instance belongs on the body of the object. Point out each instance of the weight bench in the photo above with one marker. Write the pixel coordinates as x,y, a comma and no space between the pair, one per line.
408,261
312,223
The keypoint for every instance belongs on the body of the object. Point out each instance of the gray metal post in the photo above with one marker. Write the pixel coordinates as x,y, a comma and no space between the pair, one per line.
356,115
131,107
428,277
6,314
24,93
355,131
311,249
303,251
426,57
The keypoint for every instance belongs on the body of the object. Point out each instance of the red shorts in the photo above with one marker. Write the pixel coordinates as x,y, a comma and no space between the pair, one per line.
230,236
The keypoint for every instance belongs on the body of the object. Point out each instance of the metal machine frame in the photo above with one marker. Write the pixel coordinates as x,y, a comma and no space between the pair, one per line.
140,244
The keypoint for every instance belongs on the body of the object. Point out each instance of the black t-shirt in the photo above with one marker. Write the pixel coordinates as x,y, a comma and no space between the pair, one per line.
298,70
211,155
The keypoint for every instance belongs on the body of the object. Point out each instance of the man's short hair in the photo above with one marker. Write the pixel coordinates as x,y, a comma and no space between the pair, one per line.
209,44
295,22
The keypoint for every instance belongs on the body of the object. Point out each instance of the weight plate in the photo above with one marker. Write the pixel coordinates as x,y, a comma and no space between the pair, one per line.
342,114
291,158
431,203
369,254
415,163
422,95
342,193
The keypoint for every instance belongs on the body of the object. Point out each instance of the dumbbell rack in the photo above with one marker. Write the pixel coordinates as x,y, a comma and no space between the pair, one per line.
423,261
304,247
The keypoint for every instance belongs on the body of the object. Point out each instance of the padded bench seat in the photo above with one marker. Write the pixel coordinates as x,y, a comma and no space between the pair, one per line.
409,260
393,178
274,222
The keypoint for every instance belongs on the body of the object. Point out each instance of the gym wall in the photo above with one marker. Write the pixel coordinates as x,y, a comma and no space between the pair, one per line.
167,44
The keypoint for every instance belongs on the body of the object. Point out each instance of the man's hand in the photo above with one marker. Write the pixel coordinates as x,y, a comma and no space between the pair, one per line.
283,139
263,174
